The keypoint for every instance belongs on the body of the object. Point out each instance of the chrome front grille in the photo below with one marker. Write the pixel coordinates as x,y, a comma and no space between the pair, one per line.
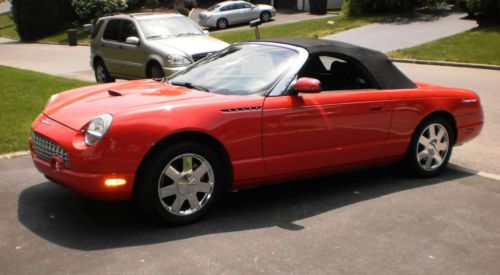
46,149
199,56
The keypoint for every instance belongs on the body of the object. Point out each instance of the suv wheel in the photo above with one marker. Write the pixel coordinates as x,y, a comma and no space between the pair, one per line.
101,73
156,71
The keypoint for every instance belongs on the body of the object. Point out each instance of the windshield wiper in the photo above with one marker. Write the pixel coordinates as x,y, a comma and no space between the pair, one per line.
190,85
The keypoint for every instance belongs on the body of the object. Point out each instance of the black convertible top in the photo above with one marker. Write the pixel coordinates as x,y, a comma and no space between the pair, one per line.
386,75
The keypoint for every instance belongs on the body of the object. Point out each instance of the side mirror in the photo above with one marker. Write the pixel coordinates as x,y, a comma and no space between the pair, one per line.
206,32
132,40
89,28
307,85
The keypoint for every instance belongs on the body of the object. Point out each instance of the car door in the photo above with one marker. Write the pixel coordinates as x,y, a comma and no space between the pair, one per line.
110,47
132,57
248,12
333,128
231,13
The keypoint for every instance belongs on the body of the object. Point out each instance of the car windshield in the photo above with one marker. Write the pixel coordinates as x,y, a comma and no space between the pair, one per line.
239,70
214,7
163,27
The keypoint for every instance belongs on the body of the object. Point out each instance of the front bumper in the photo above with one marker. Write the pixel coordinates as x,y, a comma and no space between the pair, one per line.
86,168
168,71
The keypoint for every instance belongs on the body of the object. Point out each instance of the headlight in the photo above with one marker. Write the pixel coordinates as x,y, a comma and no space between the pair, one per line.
177,60
52,98
97,128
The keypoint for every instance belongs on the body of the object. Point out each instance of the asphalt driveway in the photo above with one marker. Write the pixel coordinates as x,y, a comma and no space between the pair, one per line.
371,222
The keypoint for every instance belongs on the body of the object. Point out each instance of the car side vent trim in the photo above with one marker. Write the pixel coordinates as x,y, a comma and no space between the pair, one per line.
243,109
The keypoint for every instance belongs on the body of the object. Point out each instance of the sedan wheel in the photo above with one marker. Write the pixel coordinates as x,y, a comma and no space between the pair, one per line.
430,148
179,183
265,16
186,184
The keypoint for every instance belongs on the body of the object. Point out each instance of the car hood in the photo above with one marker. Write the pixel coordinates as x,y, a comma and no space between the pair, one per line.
191,44
75,108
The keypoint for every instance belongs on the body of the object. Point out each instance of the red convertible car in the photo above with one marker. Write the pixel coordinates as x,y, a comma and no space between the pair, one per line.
254,113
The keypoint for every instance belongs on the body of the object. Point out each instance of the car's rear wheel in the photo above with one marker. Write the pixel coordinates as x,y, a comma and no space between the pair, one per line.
156,71
181,183
222,23
101,73
430,148
265,16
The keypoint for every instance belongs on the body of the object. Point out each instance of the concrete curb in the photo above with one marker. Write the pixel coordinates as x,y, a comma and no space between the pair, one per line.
14,155
447,63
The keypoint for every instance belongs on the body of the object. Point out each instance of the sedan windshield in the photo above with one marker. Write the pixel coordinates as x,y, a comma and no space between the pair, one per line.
163,27
239,70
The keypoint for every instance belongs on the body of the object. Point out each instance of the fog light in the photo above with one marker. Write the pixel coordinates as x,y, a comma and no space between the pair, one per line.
114,182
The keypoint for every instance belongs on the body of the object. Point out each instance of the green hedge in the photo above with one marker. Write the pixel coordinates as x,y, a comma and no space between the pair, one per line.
363,7
486,10
39,18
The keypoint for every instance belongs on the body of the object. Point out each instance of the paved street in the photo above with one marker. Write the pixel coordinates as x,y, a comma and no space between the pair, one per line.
370,222
404,33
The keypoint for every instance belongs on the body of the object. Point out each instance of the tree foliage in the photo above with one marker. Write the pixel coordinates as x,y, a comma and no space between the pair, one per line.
35,19
93,9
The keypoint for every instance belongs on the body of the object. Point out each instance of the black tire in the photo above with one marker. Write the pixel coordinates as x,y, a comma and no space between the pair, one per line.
222,23
415,166
101,73
156,71
265,16
152,178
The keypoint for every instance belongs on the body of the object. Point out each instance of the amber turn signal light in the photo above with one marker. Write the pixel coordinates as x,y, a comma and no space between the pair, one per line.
115,182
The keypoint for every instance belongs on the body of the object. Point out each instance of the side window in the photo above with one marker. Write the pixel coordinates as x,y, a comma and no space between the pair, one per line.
97,28
112,31
128,29
336,73
246,5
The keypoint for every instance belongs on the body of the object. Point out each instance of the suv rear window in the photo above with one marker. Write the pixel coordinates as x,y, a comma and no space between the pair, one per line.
112,31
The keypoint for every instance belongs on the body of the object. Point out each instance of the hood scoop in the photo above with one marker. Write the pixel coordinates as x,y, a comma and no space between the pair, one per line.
114,93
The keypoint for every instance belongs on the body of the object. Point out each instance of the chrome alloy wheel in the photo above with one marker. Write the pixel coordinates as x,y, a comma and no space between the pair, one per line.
433,146
186,184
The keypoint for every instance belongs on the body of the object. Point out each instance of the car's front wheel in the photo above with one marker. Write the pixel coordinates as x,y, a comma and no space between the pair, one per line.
101,73
180,183
265,16
156,71
430,148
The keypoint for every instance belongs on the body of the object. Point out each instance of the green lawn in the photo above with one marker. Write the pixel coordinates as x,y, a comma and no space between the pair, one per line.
308,29
7,27
479,45
24,94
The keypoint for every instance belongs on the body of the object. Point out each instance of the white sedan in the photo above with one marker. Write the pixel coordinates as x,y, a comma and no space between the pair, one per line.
229,13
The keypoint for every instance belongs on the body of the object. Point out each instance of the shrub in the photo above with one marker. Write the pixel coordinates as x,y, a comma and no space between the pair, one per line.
181,9
486,10
35,19
152,4
93,9
361,7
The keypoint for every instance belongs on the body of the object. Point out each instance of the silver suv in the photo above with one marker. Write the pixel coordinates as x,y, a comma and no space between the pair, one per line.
132,46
